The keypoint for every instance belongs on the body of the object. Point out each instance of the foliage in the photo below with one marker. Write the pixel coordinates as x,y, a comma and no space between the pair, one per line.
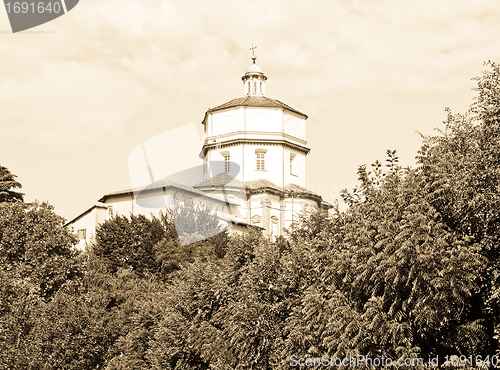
131,306
37,262
128,242
152,244
460,171
224,313
36,247
394,279
195,222
7,183
209,239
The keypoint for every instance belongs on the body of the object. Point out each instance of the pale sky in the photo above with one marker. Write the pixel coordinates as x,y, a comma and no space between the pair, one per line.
78,94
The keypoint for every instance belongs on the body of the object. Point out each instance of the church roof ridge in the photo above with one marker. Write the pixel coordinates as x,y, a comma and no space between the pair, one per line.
255,101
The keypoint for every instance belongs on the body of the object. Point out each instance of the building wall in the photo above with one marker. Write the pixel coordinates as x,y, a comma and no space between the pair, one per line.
273,169
264,124
151,204
274,213
89,222
298,175
295,125
255,120
277,164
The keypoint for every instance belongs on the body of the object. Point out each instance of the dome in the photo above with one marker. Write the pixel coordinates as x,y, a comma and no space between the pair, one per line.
254,80
254,68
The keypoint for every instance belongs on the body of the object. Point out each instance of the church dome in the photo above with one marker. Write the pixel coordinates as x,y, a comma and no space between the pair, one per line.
254,68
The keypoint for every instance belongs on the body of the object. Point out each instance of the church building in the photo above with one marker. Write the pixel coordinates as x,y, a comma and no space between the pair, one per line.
254,152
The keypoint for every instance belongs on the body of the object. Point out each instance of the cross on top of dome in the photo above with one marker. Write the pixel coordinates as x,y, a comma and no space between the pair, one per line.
254,68
253,53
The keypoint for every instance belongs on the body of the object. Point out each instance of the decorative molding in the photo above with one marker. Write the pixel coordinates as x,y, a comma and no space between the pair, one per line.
266,202
244,133
285,195
211,146
256,219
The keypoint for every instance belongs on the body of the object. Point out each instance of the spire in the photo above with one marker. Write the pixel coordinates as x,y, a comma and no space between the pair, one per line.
254,80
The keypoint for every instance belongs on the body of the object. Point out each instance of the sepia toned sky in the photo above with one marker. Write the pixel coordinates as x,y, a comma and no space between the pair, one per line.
79,93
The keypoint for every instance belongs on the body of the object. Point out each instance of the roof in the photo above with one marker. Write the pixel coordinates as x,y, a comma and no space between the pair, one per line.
254,68
96,205
226,180
290,189
221,180
299,190
262,184
164,184
255,101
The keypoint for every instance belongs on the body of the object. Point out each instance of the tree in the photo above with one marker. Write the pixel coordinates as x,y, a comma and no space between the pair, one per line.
460,170
36,247
128,242
208,319
200,237
159,245
37,261
7,183
389,277
195,222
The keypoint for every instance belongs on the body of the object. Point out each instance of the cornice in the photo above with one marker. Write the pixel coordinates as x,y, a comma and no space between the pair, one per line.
248,135
285,194
246,141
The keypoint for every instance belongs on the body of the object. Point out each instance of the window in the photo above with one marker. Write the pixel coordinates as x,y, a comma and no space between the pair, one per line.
110,210
248,83
255,87
292,165
261,87
261,161
227,163
82,234
256,219
274,226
